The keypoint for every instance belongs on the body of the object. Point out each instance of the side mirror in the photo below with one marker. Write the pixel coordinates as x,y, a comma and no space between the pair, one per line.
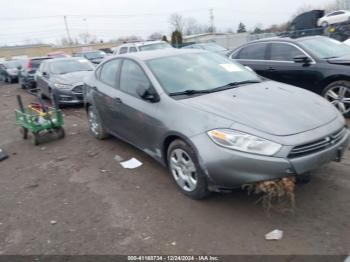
302,59
45,74
148,94
19,68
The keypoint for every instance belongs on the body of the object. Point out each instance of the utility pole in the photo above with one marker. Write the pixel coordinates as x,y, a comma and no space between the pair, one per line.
67,30
211,20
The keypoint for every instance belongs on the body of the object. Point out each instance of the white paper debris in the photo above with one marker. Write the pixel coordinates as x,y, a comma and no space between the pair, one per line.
131,164
274,235
53,222
118,158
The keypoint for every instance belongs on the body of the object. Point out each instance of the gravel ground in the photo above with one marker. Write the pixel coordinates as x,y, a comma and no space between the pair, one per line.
72,197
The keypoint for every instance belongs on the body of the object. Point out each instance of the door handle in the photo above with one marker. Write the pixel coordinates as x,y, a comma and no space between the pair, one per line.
118,100
271,69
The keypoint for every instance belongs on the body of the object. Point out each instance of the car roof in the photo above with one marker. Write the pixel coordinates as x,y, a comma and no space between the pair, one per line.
148,55
142,43
285,39
39,57
89,51
63,59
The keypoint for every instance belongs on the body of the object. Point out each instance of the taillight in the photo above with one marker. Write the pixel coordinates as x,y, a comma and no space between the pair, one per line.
29,65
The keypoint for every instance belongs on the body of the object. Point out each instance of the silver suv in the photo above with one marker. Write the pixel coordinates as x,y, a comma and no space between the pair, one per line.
141,46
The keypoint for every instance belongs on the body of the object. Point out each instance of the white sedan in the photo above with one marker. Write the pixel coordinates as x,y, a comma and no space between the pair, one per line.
334,18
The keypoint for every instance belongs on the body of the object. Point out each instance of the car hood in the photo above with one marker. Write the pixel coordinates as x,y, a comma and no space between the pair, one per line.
344,60
270,107
72,78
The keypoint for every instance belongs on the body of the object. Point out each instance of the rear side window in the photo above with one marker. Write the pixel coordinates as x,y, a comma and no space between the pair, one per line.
132,49
132,77
109,71
36,63
123,50
283,52
252,52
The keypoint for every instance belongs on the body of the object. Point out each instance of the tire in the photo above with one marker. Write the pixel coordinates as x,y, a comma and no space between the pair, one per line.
9,80
60,132
324,24
35,139
338,93
41,94
24,132
95,124
185,170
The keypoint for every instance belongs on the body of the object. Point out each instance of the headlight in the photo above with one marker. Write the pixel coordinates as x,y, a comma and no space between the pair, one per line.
243,142
62,86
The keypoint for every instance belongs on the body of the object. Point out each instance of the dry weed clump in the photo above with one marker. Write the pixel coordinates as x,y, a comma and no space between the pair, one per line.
275,194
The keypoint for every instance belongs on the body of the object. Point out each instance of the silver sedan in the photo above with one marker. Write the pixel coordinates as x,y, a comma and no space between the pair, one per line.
212,122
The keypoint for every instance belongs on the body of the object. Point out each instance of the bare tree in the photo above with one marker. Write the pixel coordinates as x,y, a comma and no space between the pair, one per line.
155,36
87,38
177,22
129,38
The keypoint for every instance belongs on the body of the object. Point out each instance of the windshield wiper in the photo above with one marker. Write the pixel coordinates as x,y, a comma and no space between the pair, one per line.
190,92
234,84
208,91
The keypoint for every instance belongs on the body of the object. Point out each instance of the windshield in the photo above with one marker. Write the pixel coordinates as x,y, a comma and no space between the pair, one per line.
213,47
200,71
95,55
324,47
69,66
14,64
154,46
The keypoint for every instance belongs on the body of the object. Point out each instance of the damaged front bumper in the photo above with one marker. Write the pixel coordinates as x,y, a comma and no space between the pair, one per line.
227,169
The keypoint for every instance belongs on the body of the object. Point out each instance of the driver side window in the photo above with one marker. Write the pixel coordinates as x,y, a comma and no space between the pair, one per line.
132,78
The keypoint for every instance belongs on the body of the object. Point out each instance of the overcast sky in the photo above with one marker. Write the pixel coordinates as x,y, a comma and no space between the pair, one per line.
30,20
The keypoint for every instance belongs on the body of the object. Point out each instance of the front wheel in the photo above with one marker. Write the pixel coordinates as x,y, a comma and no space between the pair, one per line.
95,124
338,94
185,170
324,24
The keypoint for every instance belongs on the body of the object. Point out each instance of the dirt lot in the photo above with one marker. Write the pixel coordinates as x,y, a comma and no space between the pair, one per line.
101,208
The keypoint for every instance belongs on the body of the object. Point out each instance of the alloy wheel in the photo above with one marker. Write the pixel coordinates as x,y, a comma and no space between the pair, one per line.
93,122
183,170
339,96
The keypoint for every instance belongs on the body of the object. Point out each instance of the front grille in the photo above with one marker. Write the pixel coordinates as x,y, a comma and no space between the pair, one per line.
318,145
78,89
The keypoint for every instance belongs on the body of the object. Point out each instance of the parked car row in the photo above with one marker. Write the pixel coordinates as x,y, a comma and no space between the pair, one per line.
215,123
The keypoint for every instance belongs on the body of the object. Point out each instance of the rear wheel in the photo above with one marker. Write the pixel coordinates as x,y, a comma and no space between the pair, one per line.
24,132
60,132
338,94
95,124
185,170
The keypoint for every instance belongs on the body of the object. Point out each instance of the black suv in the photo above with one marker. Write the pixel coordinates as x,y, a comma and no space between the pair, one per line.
317,63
